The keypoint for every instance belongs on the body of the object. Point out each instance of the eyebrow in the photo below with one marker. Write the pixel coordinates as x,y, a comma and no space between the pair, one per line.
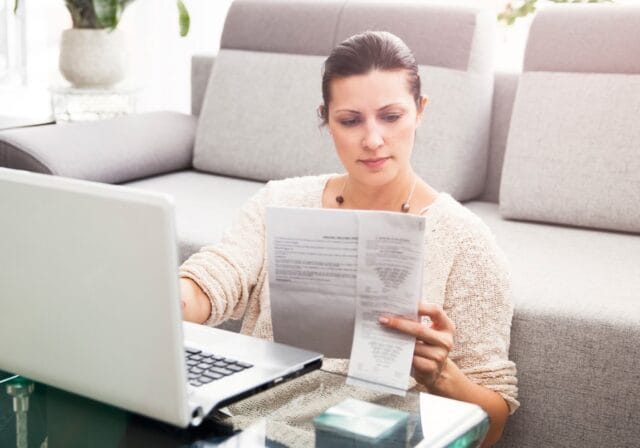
380,109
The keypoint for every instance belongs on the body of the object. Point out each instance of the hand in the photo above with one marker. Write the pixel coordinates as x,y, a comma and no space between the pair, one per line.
433,343
194,302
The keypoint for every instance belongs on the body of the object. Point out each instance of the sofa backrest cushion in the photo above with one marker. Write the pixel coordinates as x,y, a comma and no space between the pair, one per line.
259,116
572,153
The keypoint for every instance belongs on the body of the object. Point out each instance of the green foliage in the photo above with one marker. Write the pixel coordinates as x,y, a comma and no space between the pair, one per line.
512,12
183,19
107,13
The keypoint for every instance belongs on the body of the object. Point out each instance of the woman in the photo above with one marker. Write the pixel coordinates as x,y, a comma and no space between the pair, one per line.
372,106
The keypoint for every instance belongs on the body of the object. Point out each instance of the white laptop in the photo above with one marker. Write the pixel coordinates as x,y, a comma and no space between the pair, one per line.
89,303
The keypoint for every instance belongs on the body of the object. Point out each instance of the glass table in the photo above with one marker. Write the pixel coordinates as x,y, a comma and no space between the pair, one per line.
86,104
36,415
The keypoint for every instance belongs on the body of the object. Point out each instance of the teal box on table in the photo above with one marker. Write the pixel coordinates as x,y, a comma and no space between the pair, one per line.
355,423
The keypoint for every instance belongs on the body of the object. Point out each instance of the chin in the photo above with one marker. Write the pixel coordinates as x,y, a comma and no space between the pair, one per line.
376,178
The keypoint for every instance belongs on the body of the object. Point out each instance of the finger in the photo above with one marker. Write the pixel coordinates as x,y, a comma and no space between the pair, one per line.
436,354
402,324
439,319
419,331
424,367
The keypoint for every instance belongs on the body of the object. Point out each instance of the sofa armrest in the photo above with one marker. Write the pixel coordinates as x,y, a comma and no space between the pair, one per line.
113,151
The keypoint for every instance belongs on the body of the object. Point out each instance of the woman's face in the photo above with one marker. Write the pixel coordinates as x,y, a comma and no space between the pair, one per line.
373,119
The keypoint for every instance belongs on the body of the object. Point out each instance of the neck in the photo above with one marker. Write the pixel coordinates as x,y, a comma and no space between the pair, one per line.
389,196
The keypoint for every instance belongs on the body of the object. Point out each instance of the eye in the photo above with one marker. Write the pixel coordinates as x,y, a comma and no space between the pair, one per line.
350,122
391,118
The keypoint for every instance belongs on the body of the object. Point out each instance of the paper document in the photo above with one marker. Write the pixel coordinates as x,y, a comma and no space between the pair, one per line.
333,273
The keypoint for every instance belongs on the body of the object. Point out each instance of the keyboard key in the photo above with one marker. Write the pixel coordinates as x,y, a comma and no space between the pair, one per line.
196,370
213,375
220,370
235,367
191,362
196,357
204,365
195,383
244,364
228,360
205,379
192,351
220,364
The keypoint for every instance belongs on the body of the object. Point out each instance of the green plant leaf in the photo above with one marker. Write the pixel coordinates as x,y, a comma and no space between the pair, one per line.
108,12
183,18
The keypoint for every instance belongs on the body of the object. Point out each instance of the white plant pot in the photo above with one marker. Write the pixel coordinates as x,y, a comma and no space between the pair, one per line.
93,57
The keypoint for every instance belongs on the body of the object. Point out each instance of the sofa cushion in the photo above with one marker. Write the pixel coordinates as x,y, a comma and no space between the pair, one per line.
309,27
205,204
575,334
585,38
259,118
572,154
459,38
451,146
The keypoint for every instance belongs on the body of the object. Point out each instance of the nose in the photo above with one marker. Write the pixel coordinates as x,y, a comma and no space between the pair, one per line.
373,137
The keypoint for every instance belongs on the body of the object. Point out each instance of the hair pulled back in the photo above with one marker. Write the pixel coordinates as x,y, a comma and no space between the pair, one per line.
363,53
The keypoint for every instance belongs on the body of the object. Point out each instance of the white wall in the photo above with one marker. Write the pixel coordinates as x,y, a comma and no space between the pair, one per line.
159,57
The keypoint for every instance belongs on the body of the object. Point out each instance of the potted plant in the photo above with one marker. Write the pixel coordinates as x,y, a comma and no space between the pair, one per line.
93,51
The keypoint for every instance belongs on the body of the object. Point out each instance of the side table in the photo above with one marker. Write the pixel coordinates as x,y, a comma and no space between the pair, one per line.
85,104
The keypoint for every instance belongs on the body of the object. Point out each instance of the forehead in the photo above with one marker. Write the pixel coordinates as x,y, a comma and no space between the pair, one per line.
374,89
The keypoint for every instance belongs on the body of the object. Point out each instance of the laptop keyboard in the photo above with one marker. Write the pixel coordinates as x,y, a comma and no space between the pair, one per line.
203,367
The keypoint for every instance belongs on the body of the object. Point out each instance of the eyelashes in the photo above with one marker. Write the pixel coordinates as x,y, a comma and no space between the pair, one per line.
389,118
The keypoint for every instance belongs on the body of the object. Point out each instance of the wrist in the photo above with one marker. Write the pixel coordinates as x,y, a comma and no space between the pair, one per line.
444,385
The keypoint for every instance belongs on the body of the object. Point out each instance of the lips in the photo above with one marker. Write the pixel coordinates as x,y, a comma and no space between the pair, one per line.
376,162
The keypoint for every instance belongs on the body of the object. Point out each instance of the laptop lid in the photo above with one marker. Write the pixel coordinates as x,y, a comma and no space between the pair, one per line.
78,308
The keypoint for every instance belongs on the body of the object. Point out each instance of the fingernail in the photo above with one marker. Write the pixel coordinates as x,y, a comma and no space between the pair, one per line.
383,320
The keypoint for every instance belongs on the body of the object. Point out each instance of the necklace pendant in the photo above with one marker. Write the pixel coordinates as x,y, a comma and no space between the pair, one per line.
405,207
339,199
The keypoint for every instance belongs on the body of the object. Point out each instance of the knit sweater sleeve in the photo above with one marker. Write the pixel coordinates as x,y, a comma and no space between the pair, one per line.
229,271
477,299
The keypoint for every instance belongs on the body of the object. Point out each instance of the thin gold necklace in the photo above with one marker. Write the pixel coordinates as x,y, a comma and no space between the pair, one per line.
405,207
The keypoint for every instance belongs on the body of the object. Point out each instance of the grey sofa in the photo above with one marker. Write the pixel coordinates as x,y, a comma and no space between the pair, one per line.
549,158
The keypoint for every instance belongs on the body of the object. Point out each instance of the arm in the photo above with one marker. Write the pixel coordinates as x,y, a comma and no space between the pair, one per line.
469,361
196,306
439,374
218,282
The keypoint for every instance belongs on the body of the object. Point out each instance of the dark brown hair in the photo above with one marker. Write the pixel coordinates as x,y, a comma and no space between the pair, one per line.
362,53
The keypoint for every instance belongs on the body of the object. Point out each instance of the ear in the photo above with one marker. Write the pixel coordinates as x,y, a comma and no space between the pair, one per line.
423,103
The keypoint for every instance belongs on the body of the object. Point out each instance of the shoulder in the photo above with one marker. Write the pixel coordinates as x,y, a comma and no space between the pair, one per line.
463,230
448,214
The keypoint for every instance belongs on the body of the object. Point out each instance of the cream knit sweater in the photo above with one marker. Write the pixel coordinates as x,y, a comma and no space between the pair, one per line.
464,271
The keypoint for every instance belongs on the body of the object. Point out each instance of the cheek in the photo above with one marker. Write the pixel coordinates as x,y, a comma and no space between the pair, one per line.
344,140
404,135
